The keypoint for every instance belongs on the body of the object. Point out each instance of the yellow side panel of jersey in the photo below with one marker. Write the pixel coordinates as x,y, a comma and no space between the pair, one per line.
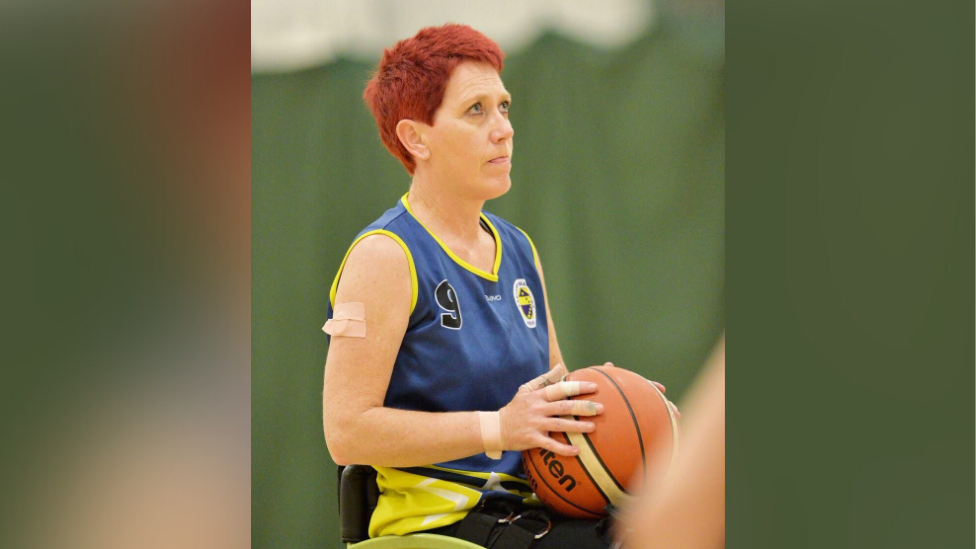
411,503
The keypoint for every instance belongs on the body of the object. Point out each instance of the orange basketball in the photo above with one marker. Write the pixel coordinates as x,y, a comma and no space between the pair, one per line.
636,423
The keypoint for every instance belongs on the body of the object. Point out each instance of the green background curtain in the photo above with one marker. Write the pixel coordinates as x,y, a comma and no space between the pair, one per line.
618,176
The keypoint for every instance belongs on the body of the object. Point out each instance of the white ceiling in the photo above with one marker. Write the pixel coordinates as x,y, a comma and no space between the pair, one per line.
294,34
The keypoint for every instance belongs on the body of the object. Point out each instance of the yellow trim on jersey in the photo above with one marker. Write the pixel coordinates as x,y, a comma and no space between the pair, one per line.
535,253
410,502
498,245
481,474
413,268
492,276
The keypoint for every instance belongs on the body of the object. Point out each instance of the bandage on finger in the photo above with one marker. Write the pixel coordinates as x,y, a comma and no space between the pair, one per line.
348,320
561,390
582,408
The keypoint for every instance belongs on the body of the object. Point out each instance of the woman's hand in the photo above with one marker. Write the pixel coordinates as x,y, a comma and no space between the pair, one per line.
538,409
663,389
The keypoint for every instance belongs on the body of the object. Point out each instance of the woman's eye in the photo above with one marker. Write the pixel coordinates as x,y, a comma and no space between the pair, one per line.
476,108
504,106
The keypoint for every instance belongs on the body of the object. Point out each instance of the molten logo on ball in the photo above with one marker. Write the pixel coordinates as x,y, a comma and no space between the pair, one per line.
556,470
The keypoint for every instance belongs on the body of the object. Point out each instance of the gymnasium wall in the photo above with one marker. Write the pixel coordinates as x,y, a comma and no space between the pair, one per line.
618,175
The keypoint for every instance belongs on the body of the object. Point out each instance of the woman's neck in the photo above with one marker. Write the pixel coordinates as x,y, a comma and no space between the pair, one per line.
445,213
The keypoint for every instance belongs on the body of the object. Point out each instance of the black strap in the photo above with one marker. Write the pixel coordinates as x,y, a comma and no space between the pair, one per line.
483,523
513,536
477,527
502,524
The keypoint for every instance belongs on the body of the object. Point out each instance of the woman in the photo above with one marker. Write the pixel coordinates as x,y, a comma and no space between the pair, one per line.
443,362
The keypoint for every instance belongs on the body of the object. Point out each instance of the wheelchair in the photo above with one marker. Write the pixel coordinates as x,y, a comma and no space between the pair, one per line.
358,493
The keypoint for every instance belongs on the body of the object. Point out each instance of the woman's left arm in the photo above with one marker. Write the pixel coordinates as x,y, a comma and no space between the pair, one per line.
555,355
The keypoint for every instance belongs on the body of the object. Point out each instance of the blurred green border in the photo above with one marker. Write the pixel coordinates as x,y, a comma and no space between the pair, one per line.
850,409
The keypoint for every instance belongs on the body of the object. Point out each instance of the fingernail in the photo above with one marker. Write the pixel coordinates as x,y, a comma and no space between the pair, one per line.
590,426
596,407
575,450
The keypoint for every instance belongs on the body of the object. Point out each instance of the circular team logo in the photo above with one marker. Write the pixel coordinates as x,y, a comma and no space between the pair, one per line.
525,302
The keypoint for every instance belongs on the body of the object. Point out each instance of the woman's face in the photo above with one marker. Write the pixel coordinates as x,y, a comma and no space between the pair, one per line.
471,139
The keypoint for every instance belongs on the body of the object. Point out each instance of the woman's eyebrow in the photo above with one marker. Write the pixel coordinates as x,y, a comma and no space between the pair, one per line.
482,96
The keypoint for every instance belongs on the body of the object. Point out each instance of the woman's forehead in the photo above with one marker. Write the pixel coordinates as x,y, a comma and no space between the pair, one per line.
472,80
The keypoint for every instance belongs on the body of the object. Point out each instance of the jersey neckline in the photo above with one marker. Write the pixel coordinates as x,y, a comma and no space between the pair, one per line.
492,276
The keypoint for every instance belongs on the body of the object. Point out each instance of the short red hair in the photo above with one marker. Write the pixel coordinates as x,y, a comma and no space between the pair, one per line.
413,74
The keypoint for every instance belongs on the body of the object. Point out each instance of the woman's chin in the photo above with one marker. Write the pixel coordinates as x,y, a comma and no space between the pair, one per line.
497,186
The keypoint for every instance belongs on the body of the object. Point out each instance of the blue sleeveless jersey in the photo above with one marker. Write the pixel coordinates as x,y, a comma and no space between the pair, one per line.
472,339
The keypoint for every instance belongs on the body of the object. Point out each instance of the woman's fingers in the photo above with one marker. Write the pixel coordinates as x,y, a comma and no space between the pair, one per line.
674,407
574,408
561,390
565,389
545,380
558,447
569,426
664,389
552,376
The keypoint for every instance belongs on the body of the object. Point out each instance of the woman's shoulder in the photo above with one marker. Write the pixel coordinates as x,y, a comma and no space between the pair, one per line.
380,251
382,239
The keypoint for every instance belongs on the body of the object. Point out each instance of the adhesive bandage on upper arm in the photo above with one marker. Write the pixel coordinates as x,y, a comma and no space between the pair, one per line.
491,433
348,320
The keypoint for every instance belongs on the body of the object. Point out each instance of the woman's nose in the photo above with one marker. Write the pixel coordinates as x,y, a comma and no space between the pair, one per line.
503,130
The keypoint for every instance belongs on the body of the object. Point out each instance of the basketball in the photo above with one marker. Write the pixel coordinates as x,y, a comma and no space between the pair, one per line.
637,422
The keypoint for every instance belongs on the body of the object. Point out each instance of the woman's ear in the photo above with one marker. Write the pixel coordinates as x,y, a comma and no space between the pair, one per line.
411,134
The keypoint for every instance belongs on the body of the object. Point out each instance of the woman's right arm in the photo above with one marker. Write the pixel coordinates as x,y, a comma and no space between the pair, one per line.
359,429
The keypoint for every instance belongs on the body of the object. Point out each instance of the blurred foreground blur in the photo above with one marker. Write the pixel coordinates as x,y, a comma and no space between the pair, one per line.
684,507
125,133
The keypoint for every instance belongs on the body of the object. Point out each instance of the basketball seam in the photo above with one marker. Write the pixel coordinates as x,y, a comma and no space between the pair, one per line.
553,490
600,459
586,470
640,438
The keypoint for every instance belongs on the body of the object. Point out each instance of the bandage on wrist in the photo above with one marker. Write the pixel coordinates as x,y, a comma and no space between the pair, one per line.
491,433
348,320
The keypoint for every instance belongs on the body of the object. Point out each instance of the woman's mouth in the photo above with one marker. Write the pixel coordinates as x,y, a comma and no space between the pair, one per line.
500,160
